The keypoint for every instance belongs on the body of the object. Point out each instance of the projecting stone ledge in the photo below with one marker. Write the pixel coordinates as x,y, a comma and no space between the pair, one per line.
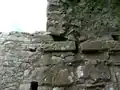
94,45
59,46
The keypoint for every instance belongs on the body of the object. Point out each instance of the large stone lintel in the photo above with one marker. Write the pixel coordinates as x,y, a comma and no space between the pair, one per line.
99,45
93,45
59,46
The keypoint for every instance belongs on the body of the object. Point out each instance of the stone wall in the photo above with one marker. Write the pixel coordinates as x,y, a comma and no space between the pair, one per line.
96,17
94,27
80,51
39,62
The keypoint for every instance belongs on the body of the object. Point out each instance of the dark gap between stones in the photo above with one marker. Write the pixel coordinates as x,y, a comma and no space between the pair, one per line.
115,37
92,52
34,85
32,50
59,38
78,1
49,51
76,50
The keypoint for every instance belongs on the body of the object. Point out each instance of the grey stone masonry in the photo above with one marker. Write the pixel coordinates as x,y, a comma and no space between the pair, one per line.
59,46
57,65
79,51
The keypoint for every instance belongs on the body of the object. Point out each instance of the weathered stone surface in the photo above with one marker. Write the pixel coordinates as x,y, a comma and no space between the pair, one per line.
101,56
93,45
24,86
44,60
24,57
62,76
54,58
59,46
116,47
56,76
62,54
115,58
47,59
57,88
111,86
40,38
79,72
42,75
22,62
94,73
77,87
117,75
44,88
65,57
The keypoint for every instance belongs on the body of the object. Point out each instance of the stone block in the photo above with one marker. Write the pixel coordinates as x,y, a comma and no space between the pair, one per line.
113,74
54,2
77,87
54,22
116,47
101,56
53,58
93,73
47,59
111,86
24,86
64,56
59,46
40,38
42,75
117,73
58,88
115,58
93,46
69,59
44,88
57,75
62,78
62,75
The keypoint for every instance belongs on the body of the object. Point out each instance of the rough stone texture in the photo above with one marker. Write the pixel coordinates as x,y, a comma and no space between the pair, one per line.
80,51
92,64
93,46
59,46
71,17
94,27
44,88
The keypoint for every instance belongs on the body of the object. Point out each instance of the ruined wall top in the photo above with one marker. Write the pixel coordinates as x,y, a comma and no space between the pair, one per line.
75,17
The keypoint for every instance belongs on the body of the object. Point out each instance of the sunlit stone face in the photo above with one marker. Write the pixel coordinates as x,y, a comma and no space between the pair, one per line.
23,15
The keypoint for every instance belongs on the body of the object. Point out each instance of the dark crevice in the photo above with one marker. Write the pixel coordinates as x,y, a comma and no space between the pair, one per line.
32,49
115,37
76,51
78,0
34,85
59,38
93,51
60,51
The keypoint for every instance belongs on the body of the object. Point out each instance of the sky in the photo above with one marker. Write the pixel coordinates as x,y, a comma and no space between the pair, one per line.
23,15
